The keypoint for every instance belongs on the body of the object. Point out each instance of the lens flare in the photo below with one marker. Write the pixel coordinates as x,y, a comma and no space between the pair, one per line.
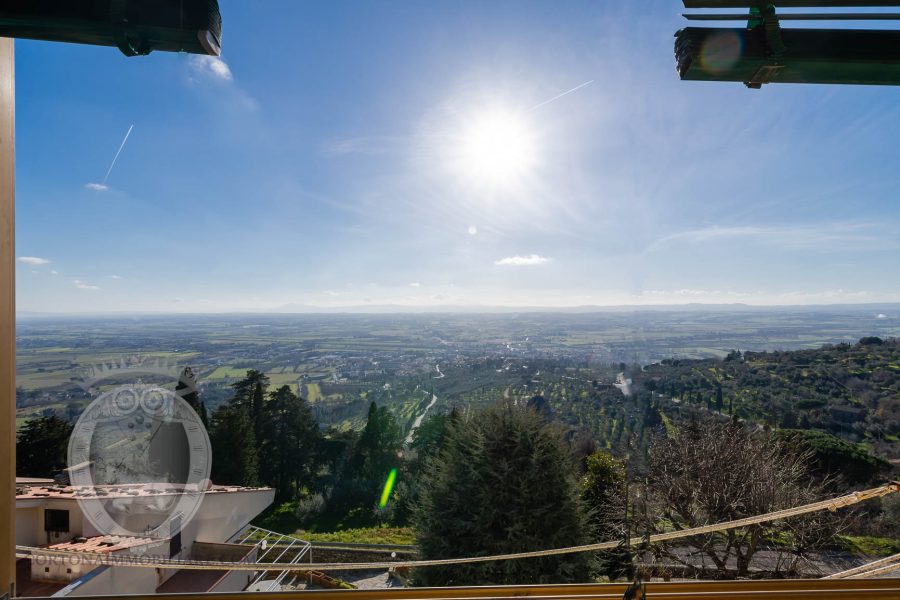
721,51
388,488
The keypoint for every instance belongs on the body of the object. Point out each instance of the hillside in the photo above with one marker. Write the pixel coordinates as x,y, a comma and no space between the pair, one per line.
849,390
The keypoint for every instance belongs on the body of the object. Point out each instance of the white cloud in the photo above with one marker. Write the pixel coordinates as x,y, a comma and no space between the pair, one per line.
97,187
881,316
84,286
518,261
473,230
33,260
115,277
211,66
54,272
415,284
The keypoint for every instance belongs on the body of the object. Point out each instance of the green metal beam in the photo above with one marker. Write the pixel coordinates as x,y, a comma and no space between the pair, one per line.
798,17
839,56
790,3
134,26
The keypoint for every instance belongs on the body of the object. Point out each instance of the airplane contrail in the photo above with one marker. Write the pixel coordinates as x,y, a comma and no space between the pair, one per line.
116,157
557,97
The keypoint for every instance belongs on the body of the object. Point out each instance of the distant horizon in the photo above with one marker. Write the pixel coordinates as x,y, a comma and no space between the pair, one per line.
375,309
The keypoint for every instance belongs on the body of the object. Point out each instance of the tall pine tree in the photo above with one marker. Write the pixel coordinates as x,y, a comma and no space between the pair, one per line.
290,442
235,430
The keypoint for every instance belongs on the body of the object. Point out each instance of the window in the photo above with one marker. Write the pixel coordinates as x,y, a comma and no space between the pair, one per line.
56,521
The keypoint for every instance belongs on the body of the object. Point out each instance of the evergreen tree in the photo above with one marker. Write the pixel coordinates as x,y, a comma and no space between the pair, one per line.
376,451
235,458
603,491
290,442
502,483
427,441
251,393
187,390
236,429
41,446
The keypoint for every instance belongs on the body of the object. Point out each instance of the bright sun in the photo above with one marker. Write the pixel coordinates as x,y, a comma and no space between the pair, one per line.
498,148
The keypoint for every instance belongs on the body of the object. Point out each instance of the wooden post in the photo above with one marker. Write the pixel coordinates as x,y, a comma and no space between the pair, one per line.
7,319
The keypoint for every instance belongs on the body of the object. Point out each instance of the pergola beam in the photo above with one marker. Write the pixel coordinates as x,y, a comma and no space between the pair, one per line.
790,3
7,319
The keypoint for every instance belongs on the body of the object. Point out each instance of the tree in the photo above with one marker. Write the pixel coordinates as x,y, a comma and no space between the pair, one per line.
187,390
41,446
250,392
235,458
603,491
428,438
503,482
290,442
427,442
832,456
376,451
712,472
373,456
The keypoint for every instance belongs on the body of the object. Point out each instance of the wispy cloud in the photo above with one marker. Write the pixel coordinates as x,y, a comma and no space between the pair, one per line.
520,261
415,284
375,144
81,285
211,66
97,187
54,272
33,260
823,235
115,277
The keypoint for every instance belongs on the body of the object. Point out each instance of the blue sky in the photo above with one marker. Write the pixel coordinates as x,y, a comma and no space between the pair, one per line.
335,158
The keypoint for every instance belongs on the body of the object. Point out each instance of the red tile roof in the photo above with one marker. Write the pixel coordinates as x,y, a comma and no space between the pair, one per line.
103,544
129,490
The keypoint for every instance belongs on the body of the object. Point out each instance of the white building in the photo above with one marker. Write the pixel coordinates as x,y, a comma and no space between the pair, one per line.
49,516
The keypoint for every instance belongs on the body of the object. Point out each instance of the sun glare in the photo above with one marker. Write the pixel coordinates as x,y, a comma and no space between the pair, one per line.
498,148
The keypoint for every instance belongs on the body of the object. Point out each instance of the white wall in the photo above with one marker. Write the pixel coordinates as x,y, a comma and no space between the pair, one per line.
222,515
26,526
113,580
30,521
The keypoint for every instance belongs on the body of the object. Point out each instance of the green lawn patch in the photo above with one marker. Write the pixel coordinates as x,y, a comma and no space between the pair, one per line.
363,535
870,545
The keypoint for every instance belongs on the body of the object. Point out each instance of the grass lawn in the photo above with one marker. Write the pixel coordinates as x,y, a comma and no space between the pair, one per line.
355,527
363,535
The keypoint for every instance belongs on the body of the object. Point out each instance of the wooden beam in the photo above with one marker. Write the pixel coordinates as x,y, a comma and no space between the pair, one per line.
7,318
